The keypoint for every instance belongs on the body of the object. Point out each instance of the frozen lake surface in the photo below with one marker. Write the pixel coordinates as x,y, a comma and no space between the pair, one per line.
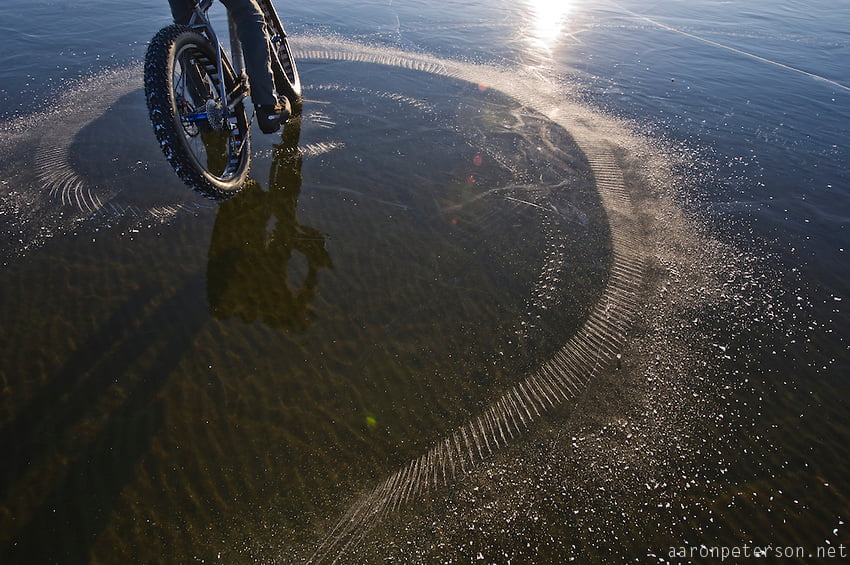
527,282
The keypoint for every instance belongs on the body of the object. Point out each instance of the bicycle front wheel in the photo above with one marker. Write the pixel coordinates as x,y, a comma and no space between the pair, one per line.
203,136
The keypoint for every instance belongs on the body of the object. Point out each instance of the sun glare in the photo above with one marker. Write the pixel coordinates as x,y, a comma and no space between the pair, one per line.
548,19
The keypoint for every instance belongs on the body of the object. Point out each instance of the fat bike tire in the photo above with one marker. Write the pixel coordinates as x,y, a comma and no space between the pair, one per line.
286,77
204,138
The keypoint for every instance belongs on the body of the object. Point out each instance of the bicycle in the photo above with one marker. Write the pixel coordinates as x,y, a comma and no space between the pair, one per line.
196,98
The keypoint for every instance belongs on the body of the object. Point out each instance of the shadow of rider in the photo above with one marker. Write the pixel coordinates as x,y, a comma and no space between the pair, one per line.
253,269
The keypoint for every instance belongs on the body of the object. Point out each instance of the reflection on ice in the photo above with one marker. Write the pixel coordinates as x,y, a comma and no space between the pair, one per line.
256,241
548,20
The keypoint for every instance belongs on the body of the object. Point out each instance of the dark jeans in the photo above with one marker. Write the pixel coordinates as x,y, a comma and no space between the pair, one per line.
250,25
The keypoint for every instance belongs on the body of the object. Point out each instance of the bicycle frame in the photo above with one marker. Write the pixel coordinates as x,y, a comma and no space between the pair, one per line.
200,22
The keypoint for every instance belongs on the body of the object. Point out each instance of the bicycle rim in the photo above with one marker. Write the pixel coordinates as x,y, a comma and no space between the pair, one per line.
204,139
210,132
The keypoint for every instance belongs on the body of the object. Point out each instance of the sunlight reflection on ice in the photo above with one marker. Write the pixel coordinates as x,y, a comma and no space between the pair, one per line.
548,19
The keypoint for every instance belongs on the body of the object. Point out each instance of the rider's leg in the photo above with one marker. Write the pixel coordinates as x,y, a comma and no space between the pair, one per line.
250,25
181,11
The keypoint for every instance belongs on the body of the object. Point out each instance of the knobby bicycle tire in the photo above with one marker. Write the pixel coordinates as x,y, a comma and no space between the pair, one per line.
207,146
288,82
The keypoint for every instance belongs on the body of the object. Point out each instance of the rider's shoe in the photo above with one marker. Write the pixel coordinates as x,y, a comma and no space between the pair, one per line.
271,117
